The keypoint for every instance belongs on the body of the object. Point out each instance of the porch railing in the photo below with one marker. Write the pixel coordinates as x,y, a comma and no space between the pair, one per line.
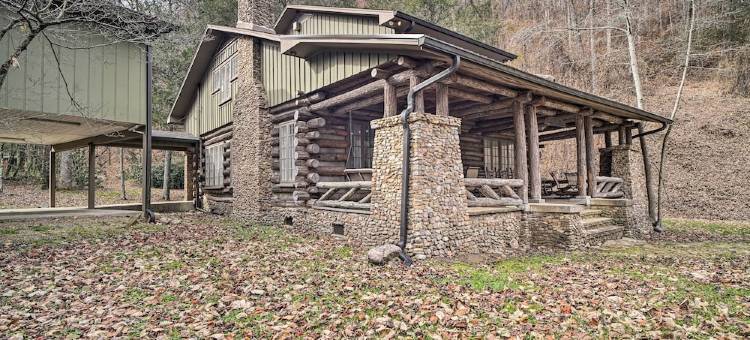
608,187
492,192
354,195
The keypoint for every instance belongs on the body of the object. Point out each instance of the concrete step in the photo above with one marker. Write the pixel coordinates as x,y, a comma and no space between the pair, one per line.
591,213
592,223
601,234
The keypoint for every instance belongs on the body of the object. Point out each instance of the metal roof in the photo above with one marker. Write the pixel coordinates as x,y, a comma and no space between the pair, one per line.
402,23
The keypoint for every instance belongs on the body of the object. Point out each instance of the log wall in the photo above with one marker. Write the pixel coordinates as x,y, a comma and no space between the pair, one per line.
221,194
321,147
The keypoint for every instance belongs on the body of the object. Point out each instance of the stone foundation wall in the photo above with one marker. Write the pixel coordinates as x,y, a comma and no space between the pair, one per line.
627,164
504,234
555,230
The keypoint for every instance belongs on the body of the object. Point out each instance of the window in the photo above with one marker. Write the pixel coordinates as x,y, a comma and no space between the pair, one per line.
222,79
286,152
362,139
498,158
215,165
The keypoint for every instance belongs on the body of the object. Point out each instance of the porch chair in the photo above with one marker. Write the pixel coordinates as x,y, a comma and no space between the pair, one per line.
572,186
472,172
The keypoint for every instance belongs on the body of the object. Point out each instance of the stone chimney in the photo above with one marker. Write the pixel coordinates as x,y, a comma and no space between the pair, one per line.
254,13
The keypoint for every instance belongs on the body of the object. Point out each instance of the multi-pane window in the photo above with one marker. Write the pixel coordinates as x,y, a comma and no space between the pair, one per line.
362,140
215,165
222,79
498,158
286,152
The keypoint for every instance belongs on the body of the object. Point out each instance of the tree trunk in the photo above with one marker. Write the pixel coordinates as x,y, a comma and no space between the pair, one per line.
639,101
165,181
663,157
2,168
66,174
592,47
123,193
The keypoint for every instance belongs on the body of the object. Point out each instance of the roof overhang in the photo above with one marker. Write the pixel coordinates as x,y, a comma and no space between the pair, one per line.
401,23
428,47
305,46
211,41
544,87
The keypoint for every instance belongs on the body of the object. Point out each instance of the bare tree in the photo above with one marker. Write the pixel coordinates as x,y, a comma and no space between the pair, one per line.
664,141
36,18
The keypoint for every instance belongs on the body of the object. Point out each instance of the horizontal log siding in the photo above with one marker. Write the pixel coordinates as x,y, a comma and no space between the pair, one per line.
207,113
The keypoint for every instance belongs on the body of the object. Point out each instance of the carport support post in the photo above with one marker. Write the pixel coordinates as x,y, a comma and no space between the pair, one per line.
52,178
146,192
92,176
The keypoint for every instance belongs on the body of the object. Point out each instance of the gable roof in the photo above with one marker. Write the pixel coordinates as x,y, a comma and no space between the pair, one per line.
401,23
211,40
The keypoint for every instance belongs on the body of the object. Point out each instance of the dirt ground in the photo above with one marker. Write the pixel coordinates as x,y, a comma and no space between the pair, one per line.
205,276
18,195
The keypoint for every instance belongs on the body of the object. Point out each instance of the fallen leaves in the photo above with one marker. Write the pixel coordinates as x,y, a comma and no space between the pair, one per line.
216,278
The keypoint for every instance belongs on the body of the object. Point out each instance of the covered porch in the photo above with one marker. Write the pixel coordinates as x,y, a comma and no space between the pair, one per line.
502,130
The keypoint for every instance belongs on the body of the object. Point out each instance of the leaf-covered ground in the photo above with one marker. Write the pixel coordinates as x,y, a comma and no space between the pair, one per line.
18,195
203,276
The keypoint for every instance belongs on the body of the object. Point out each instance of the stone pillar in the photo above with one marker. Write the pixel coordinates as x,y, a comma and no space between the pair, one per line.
627,164
438,216
251,139
256,12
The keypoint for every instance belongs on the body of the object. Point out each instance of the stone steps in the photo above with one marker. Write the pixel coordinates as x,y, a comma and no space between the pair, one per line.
595,222
597,236
591,213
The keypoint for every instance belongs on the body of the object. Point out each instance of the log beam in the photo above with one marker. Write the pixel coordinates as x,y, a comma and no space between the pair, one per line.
581,155
521,167
535,178
590,171
442,102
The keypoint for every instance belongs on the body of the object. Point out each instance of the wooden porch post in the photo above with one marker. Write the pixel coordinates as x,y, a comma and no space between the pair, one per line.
535,178
441,100
607,139
621,135
628,136
92,176
590,171
390,101
581,155
522,171
419,97
52,178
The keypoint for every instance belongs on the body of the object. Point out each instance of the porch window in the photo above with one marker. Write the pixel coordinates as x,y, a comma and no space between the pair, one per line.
362,140
498,158
286,152
215,165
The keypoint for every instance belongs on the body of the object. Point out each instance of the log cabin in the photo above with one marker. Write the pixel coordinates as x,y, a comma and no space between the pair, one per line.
386,128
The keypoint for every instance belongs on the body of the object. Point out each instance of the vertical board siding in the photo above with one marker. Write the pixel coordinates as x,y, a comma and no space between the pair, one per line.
207,113
285,76
106,81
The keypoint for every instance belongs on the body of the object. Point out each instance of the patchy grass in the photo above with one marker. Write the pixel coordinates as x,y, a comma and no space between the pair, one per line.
728,228
213,276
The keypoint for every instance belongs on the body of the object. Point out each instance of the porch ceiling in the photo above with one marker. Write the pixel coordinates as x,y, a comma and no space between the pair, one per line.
45,128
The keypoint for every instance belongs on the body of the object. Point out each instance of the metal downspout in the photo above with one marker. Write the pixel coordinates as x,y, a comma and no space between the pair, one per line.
406,152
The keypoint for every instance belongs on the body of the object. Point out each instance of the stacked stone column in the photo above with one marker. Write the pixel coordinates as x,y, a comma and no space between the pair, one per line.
438,216
627,164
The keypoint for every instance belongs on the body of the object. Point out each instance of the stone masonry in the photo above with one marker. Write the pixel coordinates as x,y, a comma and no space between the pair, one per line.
438,217
251,145
627,164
